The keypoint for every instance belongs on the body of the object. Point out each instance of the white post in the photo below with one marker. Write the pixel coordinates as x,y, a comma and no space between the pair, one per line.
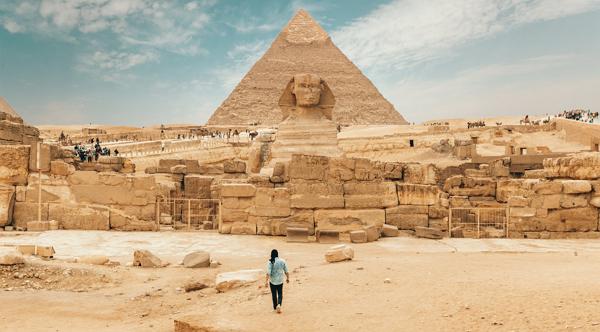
38,164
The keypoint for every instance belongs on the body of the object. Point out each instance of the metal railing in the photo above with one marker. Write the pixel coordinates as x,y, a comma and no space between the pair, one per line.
190,213
480,222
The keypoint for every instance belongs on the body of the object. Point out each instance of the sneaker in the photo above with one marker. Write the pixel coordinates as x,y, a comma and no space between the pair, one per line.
279,309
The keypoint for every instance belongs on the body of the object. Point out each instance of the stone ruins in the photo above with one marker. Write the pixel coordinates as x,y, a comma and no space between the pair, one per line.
300,174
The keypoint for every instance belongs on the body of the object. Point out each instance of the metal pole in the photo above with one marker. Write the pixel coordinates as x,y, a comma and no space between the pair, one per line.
38,164
478,235
189,216
157,213
449,222
220,221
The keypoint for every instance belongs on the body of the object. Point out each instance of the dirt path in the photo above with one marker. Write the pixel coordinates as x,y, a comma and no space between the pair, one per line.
431,289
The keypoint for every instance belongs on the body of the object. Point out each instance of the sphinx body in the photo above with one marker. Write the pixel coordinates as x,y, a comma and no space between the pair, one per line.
307,104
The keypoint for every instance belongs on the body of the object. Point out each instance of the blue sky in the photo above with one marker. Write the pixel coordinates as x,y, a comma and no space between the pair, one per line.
144,62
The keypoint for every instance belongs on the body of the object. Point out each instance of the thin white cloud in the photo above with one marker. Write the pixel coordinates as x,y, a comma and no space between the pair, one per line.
403,33
114,66
242,57
12,26
521,87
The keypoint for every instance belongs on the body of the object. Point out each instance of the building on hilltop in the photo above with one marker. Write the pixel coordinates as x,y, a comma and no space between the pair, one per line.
304,47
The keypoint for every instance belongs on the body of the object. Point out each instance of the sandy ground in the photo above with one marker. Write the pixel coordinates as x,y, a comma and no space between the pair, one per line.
450,285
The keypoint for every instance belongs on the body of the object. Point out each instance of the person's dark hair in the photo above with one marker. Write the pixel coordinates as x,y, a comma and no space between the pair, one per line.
274,254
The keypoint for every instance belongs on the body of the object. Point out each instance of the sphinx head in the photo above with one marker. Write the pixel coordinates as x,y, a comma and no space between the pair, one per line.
307,89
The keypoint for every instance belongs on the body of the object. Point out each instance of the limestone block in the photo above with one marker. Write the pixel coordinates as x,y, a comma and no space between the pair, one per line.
522,212
178,169
279,169
526,224
518,201
46,153
327,236
7,203
38,226
466,186
576,186
234,215
20,193
25,212
84,178
234,166
398,217
112,179
359,236
11,260
197,186
164,165
348,220
367,170
295,234
572,201
459,201
373,233
237,190
393,170
298,219
572,220
370,194
421,173
59,167
437,212
145,258
546,201
196,259
151,170
49,193
429,233
417,194
341,169
311,195
339,253
260,181
230,280
582,166
245,228
309,167
272,202
14,164
79,217
389,230
535,174
511,187
237,202
439,223
595,201
143,182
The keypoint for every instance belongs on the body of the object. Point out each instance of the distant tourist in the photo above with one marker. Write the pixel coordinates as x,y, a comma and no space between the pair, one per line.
116,152
276,268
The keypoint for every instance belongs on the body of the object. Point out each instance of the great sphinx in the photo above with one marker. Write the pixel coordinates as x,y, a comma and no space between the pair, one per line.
307,105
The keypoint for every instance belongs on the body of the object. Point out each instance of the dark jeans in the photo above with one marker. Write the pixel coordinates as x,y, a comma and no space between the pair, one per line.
276,294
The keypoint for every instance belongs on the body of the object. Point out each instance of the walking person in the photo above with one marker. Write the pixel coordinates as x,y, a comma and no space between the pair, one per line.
276,268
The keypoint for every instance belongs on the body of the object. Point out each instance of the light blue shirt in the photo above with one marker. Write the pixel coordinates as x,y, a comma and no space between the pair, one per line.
276,271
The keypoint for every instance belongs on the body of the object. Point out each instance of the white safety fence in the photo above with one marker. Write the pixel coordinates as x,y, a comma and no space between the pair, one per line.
480,222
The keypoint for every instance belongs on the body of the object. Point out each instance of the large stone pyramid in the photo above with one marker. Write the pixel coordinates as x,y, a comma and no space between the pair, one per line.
304,47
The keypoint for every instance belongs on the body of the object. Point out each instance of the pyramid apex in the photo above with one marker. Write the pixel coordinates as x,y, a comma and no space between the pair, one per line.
303,29
5,108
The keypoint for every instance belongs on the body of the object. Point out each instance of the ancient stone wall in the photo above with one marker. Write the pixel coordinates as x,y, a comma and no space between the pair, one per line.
346,194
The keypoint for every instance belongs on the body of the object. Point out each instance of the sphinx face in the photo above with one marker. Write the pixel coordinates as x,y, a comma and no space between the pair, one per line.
307,89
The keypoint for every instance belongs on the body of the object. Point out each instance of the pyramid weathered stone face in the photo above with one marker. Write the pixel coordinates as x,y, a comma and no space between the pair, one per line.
304,47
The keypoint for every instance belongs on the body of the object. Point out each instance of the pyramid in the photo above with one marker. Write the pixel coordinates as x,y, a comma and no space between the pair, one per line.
7,109
304,47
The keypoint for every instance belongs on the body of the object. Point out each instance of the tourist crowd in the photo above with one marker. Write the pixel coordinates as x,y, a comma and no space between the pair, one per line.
90,154
580,115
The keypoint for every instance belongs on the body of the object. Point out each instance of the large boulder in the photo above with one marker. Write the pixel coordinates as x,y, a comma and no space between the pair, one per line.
339,253
145,258
197,259
230,280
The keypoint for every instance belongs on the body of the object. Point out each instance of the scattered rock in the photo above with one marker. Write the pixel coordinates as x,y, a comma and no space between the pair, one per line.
94,260
145,258
387,281
230,280
429,233
339,253
197,259
358,236
194,286
389,230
